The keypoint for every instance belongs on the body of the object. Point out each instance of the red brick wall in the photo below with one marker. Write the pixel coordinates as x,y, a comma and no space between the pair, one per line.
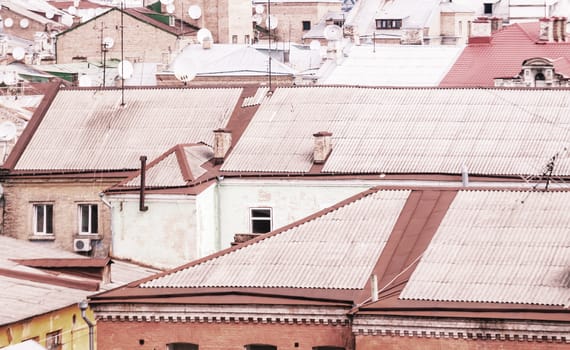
119,335
368,342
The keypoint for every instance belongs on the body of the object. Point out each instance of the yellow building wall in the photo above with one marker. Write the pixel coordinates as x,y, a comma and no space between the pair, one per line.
74,330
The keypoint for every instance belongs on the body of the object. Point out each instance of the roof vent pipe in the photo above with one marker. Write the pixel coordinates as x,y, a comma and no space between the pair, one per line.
222,144
322,147
374,288
464,176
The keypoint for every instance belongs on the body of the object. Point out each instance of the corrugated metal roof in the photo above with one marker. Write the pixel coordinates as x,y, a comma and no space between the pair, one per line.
394,65
89,130
337,250
260,95
490,131
169,172
494,246
22,298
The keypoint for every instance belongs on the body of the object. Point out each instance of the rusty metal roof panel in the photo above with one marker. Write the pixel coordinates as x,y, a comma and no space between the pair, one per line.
404,130
170,170
336,250
90,130
498,247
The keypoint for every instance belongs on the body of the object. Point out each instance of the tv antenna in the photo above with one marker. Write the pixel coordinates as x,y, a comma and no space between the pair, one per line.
106,44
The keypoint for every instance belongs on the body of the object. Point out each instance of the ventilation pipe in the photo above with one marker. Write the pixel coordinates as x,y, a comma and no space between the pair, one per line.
142,207
322,147
464,176
374,288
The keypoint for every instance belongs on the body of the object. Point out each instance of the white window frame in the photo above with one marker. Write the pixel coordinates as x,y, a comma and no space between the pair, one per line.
80,208
44,224
253,218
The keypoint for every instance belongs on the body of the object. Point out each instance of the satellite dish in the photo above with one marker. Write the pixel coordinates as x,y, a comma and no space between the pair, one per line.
166,2
259,9
257,18
170,8
108,42
7,131
203,34
332,32
84,81
8,22
125,69
194,12
24,23
9,78
67,20
271,22
184,68
72,10
18,53
315,45
50,13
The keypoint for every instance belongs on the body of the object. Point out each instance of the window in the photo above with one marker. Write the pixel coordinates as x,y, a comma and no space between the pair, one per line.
327,348
488,8
388,23
260,220
246,40
234,39
43,219
88,219
182,346
53,340
260,347
306,25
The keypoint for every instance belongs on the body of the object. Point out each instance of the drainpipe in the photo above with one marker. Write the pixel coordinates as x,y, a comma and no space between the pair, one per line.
83,305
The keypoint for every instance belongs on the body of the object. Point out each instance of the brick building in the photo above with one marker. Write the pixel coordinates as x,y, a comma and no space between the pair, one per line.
148,37
410,267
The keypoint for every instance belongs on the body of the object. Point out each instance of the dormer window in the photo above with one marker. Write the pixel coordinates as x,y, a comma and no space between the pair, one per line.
388,23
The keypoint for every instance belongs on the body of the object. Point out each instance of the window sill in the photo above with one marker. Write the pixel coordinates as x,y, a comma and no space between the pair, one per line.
92,236
41,238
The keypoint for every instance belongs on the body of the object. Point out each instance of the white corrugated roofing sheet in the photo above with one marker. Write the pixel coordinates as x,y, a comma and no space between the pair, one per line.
394,65
498,247
90,130
337,250
22,298
397,130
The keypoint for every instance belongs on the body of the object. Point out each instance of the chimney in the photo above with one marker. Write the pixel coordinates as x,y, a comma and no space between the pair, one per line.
556,36
373,288
322,147
546,31
207,43
563,23
496,24
480,31
222,144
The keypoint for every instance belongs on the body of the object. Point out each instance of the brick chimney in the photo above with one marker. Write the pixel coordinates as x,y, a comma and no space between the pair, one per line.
563,23
546,30
222,144
207,43
496,24
556,35
323,146
480,31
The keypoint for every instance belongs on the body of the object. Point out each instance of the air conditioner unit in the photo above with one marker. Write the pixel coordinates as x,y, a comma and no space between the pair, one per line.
82,244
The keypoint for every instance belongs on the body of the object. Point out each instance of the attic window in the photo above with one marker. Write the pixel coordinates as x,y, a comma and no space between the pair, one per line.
388,23
261,221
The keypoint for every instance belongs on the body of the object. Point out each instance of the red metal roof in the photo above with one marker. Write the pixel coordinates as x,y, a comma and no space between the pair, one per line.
503,56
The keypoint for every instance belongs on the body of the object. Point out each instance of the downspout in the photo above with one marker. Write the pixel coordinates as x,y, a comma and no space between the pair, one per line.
142,207
217,212
83,305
